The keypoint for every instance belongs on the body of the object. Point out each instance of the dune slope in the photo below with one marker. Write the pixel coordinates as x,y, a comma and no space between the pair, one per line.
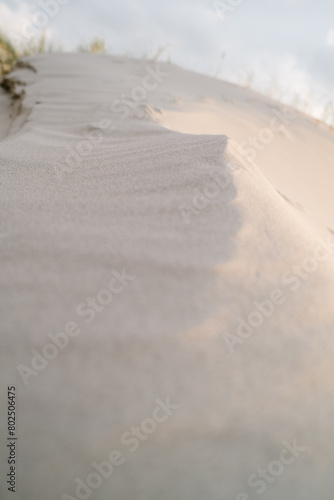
158,264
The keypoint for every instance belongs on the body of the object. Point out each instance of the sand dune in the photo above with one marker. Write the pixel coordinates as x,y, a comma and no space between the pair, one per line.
160,261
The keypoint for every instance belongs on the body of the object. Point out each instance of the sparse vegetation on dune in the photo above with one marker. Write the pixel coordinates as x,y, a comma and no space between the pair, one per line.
10,55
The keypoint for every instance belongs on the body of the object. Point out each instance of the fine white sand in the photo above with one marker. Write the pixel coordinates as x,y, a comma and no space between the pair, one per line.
134,200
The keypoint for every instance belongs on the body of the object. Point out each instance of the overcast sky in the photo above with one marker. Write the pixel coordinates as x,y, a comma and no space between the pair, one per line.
289,42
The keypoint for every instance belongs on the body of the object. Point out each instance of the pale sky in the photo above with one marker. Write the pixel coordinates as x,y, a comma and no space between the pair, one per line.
282,44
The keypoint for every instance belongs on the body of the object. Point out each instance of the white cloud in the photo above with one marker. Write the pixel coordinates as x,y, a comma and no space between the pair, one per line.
12,18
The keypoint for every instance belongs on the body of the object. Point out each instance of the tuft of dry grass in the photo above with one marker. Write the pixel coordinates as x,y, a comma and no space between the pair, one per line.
8,55
95,46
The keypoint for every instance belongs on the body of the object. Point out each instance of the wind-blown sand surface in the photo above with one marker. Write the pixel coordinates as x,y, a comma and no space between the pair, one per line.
133,200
